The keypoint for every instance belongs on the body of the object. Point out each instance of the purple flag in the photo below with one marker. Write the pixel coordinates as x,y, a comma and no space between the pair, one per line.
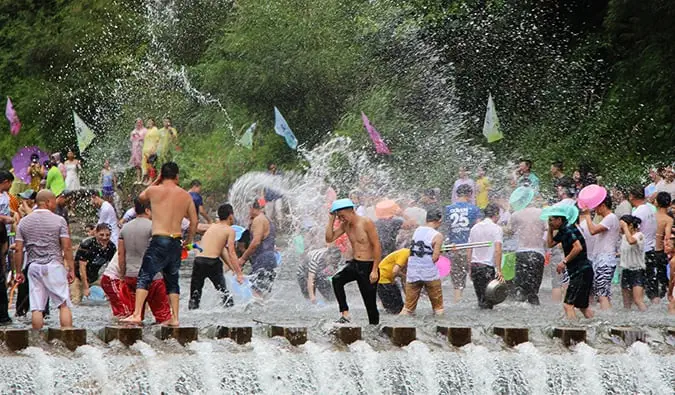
380,146
14,123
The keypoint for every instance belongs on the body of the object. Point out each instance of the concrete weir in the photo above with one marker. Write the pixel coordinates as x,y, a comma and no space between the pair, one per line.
296,335
400,335
71,337
127,335
570,336
457,336
183,334
347,334
15,339
512,336
628,335
240,334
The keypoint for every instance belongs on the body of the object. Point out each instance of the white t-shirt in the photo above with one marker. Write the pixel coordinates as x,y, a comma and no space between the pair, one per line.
589,238
633,255
112,270
422,268
106,215
486,230
664,186
605,242
647,226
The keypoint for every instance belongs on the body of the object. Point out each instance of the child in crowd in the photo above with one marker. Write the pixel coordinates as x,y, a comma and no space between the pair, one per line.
632,262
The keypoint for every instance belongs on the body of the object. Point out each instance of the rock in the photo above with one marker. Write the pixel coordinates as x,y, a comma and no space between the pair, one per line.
295,335
15,339
71,337
240,334
570,336
401,335
628,335
184,334
457,336
512,336
347,334
127,335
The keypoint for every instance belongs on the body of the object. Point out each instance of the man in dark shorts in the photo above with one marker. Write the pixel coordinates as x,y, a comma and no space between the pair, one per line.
170,204
218,247
261,251
576,262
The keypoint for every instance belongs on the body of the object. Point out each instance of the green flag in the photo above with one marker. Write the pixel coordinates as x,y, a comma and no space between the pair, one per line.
491,128
246,139
84,133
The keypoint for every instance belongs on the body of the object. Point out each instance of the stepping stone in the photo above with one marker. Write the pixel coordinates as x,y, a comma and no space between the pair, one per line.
240,334
628,335
400,335
512,336
184,334
671,331
72,337
457,336
347,334
570,336
15,339
295,335
127,335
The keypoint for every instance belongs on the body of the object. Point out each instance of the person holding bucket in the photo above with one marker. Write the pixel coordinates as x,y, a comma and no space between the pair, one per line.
563,219
486,262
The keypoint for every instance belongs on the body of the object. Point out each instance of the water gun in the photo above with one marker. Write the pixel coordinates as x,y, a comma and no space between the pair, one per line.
189,247
193,246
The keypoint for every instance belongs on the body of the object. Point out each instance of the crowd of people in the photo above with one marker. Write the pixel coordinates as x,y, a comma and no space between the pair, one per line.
391,248
399,242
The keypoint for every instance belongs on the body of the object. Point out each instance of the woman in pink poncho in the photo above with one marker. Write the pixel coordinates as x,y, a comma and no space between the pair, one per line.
137,137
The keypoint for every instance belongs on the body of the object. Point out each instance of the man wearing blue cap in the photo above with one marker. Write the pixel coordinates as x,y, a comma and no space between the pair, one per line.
217,246
367,255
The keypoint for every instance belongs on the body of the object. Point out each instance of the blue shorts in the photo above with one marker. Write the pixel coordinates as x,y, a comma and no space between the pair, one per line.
108,190
163,254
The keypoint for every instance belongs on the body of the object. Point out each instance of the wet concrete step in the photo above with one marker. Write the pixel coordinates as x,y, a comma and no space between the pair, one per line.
400,335
512,336
457,336
71,337
569,336
296,335
240,334
183,334
629,335
347,334
15,339
127,335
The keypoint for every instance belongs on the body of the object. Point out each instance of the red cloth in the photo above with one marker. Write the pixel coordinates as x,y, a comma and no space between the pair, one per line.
157,299
118,295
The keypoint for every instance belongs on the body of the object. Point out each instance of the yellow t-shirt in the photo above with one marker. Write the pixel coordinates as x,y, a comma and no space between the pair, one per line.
482,186
386,266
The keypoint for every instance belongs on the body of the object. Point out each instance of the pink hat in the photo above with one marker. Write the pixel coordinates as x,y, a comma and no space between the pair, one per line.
386,209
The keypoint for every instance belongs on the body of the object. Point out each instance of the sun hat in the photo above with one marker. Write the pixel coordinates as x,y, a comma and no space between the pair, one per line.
341,204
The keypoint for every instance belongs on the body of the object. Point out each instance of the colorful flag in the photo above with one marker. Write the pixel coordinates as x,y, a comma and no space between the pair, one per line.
84,134
380,146
491,128
14,123
246,139
282,129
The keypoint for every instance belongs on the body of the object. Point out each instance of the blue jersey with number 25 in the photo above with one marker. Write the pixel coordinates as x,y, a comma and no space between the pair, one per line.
458,220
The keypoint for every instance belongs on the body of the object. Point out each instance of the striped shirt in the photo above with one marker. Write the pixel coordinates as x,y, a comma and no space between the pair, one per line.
41,232
316,263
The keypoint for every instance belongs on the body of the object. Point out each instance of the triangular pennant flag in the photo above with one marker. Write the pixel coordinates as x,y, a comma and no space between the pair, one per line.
84,134
380,146
282,129
246,139
491,128
13,118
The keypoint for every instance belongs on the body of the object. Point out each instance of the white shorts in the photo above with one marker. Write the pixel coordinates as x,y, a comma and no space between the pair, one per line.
47,281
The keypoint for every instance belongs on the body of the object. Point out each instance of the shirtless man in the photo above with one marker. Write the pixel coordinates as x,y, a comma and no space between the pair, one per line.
217,248
367,255
664,224
170,204
261,251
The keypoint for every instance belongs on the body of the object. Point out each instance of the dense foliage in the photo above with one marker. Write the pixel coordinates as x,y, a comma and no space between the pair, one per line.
575,80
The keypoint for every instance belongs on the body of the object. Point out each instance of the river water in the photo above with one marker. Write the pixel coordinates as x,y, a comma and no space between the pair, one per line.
373,365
